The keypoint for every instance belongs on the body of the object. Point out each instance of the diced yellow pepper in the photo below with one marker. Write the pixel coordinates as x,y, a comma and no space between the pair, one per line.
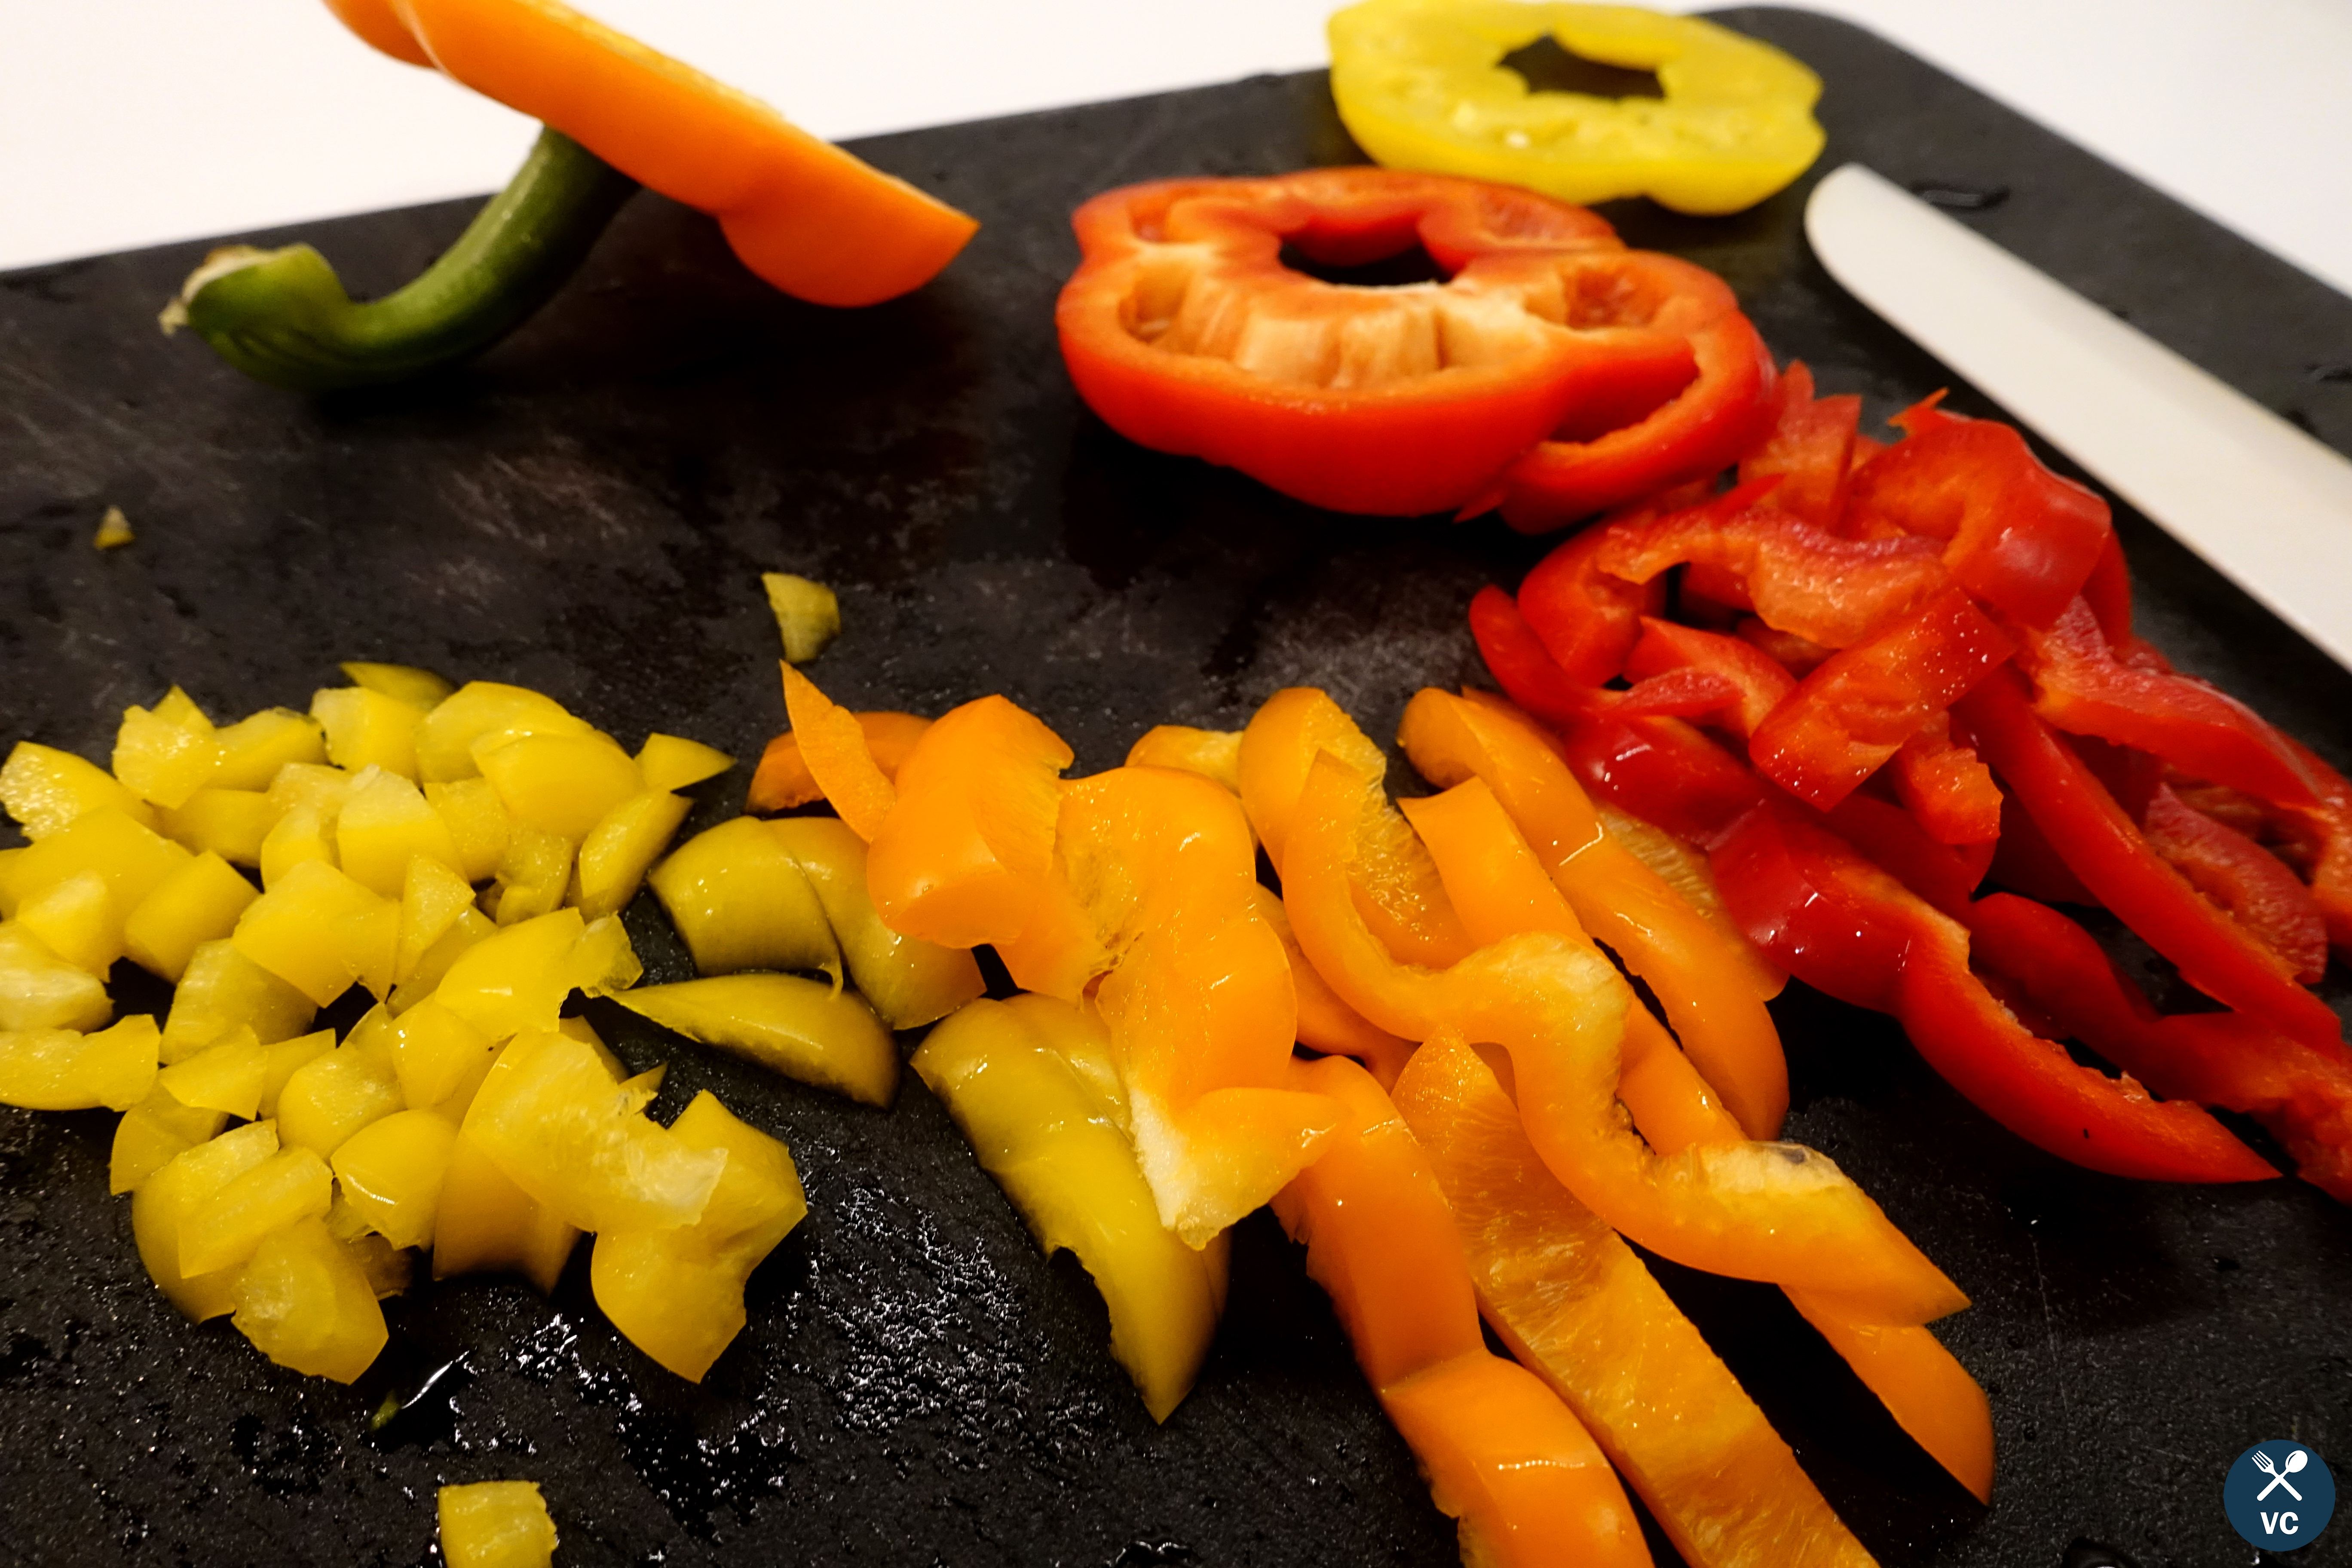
617,850
1052,1142
563,785
910,980
128,856
391,1172
305,1304
604,962
167,754
222,990
285,1057
557,1124
367,729
182,1187
386,1266
532,877
333,1095
487,1224
294,838
8,858
484,711
39,990
420,688
318,785
57,1069
802,1028
432,897
233,824
477,820
291,1185
677,1294
251,751
434,1051
44,789
470,926
197,903
673,762
227,1076
517,979
76,920
808,614
496,1524
319,930
741,901
152,1134
385,824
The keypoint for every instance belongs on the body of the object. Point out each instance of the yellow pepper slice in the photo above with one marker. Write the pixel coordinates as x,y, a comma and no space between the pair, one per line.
802,1028
1420,84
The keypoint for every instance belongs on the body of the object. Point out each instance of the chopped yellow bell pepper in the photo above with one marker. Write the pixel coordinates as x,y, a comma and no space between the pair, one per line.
183,1186
910,982
533,877
435,1050
477,820
233,824
77,921
367,729
222,990
319,930
44,789
433,898
284,1057
291,1185
152,1134
385,822
808,616
249,752
336,1093
563,785
305,1304
802,1028
484,712
518,979
420,688
739,900
673,762
57,1069
470,928
618,850
198,903
496,1524
130,858
227,1076
39,990
391,1173
167,753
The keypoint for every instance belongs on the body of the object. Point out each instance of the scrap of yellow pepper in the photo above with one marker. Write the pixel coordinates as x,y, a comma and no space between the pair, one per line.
496,1524
802,1028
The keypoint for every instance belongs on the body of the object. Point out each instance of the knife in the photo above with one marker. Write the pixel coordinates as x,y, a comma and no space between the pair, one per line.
2264,504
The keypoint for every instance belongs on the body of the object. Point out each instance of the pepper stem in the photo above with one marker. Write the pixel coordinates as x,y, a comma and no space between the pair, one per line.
283,316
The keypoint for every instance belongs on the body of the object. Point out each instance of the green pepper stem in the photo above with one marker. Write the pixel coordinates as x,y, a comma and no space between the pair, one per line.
283,316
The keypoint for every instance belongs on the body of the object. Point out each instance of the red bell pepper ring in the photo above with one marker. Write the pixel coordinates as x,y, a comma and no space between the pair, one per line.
2021,539
1586,619
1846,719
1810,450
2102,844
1946,786
2247,880
1845,927
1761,684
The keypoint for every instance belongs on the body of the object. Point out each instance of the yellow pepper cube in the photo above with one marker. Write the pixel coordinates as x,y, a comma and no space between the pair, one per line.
44,789
420,688
673,762
496,1524
386,1266
533,877
291,1185
802,1028
222,990
563,785
167,754
391,1172
321,786
253,750
808,614
184,1185
319,930
677,1294
484,712
604,962
739,901
470,926
197,903
300,835
333,1095
434,1051
305,1304
128,856
78,922
367,729
910,982
227,1076
614,855
283,1059
57,1069
432,897
518,979
385,824
487,1224
39,990
477,820
152,1134
233,824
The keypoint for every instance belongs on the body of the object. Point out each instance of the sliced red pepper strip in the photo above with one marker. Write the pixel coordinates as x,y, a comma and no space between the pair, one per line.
1587,620
2108,591
1946,786
1810,449
2328,825
1798,656
1537,684
1761,684
2244,879
1663,771
1846,719
1845,927
2021,538
2024,861
2104,847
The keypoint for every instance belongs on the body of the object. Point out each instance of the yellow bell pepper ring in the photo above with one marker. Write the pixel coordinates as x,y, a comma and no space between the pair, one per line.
1420,84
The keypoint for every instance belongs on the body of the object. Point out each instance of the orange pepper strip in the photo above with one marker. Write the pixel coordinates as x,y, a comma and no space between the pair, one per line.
1504,1455
1496,880
1711,990
1684,866
1326,1024
832,744
1773,1212
783,780
815,221
1575,1303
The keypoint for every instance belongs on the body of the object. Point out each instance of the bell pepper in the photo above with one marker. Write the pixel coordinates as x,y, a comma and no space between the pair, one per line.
1519,661
2249,883
1756,1211
804,1029
910,982
1326,1024
1426,84
1663,771
495,1524
1587,620
1573,1301
1810,450
782,780
1946,786
834,745
1183,330
1665,647
1502,1453
806,216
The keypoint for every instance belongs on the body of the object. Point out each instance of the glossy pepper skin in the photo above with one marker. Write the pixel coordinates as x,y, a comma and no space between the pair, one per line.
1421,84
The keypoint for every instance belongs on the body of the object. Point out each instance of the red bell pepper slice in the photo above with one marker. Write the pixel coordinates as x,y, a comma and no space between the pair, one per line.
2328,826
1810,449
1946,786
1761,684
2104,847
2107,592
1536,683
1663,771
1586,619
2024,861
1798,656
2021,538
1846,719
2244,879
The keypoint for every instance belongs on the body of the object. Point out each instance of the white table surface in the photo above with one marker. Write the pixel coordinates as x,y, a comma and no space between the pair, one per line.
130,122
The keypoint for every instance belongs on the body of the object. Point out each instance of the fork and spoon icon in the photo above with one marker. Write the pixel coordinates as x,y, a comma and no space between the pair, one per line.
2295,1462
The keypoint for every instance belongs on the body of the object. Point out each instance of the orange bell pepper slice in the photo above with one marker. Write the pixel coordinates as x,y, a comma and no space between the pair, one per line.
815,221
1713,989
783,781
1503,1454
1772,1212
832,744
1497,882
1326,1023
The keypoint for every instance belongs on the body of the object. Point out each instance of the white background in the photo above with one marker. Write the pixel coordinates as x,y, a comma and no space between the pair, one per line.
128,123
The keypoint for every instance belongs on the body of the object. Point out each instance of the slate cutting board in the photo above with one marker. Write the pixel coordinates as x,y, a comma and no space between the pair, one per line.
586,508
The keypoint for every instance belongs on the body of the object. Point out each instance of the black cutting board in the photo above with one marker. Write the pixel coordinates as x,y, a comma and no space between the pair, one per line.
586,510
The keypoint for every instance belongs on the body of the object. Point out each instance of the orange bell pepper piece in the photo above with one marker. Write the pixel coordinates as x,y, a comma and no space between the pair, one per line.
1326,1024
1503,1454
1773,1212
783,781
1497,882
1713,989
815,221
832,744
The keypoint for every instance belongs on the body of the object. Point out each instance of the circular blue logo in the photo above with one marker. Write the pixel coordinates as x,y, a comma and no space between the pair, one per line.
2279,1495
